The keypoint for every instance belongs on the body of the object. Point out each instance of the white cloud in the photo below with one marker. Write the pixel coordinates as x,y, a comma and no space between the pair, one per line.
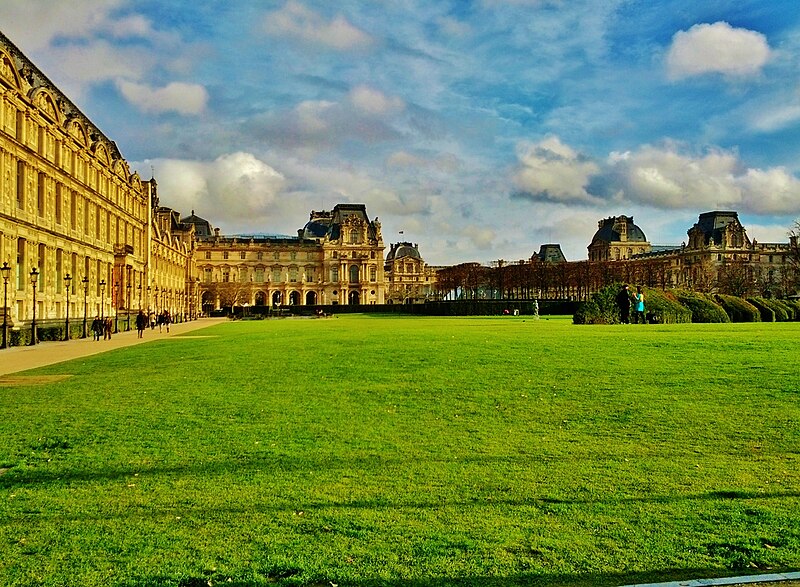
237,186
717,48
551,170
374,102
33,24
665,178
177,97
296,20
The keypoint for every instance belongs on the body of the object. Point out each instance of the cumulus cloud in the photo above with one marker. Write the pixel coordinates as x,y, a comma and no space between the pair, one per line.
177,97
238,186
297,21
551,170
717,48
665,176
33,24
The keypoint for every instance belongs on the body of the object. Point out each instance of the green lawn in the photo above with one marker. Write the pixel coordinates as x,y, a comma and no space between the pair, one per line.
408,452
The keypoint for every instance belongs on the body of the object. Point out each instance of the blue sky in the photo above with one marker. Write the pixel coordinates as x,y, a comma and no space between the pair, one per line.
480,129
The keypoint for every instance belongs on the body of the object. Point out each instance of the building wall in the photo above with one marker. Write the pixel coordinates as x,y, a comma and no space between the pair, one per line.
68,202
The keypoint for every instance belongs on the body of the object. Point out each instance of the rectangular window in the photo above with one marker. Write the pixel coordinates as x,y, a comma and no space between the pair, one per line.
293,255
97,222
208,254
21,185
21,263
260,256
334,274
73,210
276,275
276,255
85,203
207,273
42,266
242,255
292,274
373,273
74,271
259,275
59,269
41,186
59,203
243,275
225,254
226,277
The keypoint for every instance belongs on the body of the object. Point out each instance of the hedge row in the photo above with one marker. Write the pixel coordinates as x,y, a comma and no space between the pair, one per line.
679,306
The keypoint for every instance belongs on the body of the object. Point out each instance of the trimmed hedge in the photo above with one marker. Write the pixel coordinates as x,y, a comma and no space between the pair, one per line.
601,307
664,308
766,311
661,307
704,309
738,309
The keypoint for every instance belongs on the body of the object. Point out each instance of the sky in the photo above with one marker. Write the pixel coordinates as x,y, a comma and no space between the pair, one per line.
478,129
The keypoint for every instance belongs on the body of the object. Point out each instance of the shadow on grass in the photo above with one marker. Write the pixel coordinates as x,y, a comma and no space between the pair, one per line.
14,477
525,579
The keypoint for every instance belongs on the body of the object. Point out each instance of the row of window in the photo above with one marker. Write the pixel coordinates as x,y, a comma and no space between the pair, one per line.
67,205
276,255
292,275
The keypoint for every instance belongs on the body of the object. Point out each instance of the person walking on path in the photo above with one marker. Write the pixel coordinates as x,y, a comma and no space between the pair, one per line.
639,299
624,304
141,323
97,327
108,328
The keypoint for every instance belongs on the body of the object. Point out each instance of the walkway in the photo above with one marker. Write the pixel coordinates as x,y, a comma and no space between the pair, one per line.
22,358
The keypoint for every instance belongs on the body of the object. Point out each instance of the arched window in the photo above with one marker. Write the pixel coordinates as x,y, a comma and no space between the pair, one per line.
355,237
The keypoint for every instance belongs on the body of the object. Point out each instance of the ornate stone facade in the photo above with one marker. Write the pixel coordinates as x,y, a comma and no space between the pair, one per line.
617,238
70,207
336,258
409,279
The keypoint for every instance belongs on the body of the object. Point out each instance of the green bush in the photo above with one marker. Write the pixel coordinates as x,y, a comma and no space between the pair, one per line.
663,307
738,309
703,307
791,312
601,308
766,311
781,313
660,306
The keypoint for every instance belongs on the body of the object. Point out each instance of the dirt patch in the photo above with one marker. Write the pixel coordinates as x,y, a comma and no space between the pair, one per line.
20,380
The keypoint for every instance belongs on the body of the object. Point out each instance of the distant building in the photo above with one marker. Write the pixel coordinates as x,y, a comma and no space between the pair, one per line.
408,279
336,258
617,238
550,253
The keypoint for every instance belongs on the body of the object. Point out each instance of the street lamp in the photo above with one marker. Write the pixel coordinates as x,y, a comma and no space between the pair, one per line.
116,308
128,307
85,282
6,269
102,299
34,282
67,282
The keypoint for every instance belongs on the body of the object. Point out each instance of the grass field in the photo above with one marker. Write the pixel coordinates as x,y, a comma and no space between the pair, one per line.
407,452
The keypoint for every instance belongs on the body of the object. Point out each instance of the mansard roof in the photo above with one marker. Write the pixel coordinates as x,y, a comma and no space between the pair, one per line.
611,230
551,253
401,250
202,227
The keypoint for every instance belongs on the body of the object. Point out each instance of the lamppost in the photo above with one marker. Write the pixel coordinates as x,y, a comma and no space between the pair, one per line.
6,269
34,283
67,283
128,311
85,282
140,296
102,299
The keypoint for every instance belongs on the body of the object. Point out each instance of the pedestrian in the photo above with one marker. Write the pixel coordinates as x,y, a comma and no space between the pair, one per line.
108,328
141,323
639,300
624,304
97,327
167,320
